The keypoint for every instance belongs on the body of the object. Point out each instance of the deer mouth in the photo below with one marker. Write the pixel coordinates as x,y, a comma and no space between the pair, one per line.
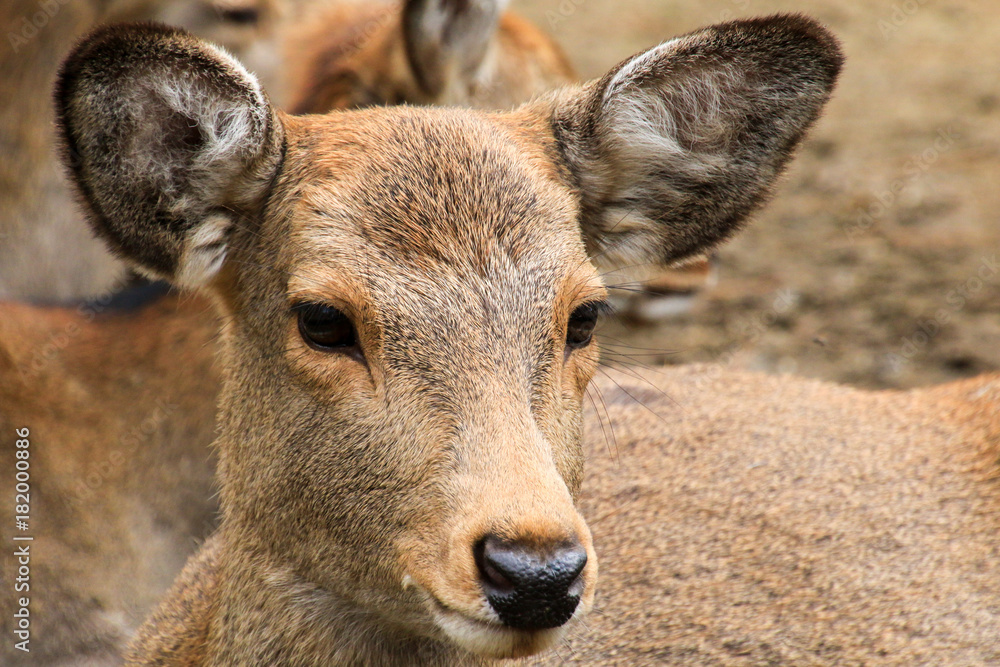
491,638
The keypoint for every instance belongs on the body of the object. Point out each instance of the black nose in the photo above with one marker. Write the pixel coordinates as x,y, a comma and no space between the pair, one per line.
531,588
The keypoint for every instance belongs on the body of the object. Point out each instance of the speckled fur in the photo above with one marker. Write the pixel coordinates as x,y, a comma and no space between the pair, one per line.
743,519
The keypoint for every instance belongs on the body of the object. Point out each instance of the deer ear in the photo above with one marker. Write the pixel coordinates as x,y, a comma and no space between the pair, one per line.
447,40
169,141
674,147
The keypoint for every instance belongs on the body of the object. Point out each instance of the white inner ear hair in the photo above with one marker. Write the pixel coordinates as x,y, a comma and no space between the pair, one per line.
204,251
231,132
681,123
686,114
228,127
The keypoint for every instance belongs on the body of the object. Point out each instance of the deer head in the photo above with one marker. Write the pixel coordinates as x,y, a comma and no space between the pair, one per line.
410,297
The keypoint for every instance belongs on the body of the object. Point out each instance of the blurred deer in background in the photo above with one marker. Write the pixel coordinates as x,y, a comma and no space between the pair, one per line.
119,402
427,52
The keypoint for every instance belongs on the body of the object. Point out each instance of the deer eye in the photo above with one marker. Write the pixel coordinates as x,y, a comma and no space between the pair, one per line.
580,329
325,328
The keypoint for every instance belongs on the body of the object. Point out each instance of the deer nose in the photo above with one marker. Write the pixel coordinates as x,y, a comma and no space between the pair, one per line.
531,588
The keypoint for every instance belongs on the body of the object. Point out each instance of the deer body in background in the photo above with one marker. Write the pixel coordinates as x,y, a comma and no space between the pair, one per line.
744,519
119,403
409,302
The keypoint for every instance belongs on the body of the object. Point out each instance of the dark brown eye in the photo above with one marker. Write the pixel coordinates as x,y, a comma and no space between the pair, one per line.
325,328
580,329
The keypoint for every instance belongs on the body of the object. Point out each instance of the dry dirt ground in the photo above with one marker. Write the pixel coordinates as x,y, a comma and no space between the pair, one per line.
878,262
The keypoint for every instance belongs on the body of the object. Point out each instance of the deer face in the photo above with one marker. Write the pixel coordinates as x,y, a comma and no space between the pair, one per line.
424,331
410,296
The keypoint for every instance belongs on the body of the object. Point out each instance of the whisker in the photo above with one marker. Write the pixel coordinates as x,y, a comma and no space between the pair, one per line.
625,343
623,355
612,452
627,370
633,397
631,290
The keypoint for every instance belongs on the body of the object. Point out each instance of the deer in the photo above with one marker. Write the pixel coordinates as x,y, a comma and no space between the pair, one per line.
793,521
47,254
409,298
426,52
342,55
71,374
477,55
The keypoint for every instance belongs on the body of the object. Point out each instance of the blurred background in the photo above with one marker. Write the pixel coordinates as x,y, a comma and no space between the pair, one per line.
876,264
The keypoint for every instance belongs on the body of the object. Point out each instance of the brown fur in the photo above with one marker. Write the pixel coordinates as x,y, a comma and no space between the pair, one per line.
747,520
738,519
119,498
457,243
47,253
90,632
354,55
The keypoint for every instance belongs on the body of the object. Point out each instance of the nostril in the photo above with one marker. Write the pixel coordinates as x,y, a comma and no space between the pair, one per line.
531,588
572,561
491,571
